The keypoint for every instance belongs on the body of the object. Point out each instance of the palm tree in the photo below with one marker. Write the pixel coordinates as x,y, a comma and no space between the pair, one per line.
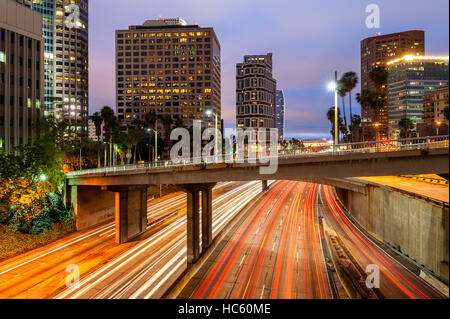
406,125
342,93
379,76
107,115
330,116
150,119
98,121
167,122
355,127
135,137
350,80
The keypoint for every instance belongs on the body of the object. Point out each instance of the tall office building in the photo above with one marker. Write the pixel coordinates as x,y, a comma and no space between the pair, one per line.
255,92
65,32
21,73
168,67
434,108
375,52
280,114
434,105
410,78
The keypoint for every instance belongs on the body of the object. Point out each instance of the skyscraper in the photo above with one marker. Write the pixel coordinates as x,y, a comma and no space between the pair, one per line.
280,114
410,78
255,92
21,73
168,67
375,52
65,32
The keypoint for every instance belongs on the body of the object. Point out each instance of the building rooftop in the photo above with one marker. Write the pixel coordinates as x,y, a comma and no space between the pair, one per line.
413,58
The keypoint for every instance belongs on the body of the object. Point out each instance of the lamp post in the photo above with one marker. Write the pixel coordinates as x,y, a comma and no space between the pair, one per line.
156,142
333,86
438,124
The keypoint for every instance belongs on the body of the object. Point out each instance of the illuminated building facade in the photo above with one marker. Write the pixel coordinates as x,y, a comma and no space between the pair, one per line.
21,73
375,52
410,78
280,114
170,68
255,92
65,61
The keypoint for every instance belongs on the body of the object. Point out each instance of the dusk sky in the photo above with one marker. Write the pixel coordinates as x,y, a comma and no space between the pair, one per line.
309,41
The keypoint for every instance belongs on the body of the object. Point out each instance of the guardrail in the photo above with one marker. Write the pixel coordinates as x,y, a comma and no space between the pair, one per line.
423,143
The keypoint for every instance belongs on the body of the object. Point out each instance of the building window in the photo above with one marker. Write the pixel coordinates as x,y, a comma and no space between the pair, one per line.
2,57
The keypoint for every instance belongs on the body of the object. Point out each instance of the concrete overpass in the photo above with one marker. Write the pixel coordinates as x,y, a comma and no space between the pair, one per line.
91,192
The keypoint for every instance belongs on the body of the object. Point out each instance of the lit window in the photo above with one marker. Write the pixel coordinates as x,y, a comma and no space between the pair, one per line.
2,57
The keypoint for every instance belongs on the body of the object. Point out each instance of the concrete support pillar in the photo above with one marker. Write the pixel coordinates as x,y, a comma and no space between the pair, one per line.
193,219
206,218
130,212
193,226
264,186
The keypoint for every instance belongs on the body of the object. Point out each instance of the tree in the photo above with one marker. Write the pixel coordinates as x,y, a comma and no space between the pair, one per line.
135,136
342,93
330,116
349,81
406,125
108,117
379,75
446,113
167,122
98,121
31,180
356,128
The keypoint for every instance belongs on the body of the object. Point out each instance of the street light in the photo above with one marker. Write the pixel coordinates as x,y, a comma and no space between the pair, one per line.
333,86
156,143
438,123
209,113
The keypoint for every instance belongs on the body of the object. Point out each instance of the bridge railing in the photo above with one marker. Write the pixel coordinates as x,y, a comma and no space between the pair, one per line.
422,143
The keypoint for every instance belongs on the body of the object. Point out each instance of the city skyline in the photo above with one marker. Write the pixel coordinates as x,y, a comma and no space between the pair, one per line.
293,59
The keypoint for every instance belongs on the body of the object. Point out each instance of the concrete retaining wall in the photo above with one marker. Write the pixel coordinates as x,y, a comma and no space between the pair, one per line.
414,226
92,206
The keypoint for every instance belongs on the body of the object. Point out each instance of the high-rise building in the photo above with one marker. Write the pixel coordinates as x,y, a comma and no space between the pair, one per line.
410,78
170,68
434,119
255,93
65,32
21,73
434,105
375,52
280,114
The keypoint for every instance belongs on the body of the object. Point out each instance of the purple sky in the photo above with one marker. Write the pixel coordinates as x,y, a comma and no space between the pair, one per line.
309,39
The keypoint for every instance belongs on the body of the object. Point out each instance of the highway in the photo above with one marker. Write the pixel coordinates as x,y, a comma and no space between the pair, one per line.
147,269
41,273
396,281
275,252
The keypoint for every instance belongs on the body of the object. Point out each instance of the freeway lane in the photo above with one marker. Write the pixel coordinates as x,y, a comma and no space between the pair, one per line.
145,270
41,273
396,281
274,252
